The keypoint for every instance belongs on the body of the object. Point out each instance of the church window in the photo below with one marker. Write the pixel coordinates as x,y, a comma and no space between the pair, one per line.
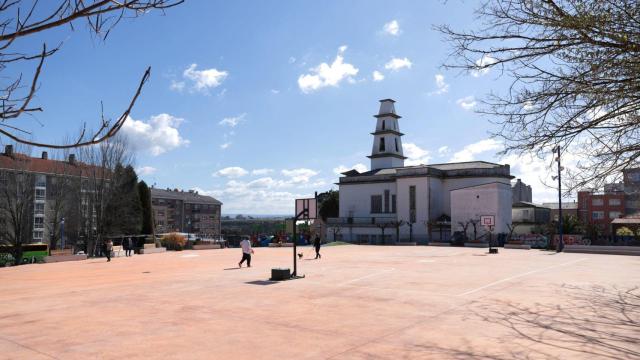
383,125
381,144
412,204
386,201
396,139
393,204
376,204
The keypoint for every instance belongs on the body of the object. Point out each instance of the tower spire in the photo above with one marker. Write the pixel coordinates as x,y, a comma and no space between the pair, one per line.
387,138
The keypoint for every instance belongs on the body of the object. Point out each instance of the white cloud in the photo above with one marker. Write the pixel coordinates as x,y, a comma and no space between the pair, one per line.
441,85
467,103
146,170
225,146
157,135
396,64
392,28
415,154
232,121
301,175
483,65
239,198
358,167
469,152
443,150
378,76
261,171
292,60
202,80
231,172
328,75
275,91
177,85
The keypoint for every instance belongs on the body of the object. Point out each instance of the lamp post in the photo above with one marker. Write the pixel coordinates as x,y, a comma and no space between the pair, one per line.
560,245
62,234
188,229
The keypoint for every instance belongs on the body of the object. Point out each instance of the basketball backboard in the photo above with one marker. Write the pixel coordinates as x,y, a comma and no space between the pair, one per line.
488,220
306,208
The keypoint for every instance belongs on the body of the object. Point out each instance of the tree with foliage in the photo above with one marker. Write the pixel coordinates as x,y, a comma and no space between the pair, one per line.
329,204
573,67
22,19
123,213
144,194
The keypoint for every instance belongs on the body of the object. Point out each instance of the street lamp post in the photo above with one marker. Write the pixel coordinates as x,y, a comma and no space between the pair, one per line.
560,245
62,234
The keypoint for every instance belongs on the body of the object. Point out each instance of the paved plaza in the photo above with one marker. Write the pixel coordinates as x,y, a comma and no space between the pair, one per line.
357,302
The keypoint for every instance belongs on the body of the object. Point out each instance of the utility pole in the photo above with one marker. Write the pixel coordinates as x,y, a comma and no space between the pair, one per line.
560,245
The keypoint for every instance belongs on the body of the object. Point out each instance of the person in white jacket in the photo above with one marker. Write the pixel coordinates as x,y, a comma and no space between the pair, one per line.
246,252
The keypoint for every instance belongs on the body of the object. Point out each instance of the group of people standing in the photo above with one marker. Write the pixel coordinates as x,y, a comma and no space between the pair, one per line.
128,246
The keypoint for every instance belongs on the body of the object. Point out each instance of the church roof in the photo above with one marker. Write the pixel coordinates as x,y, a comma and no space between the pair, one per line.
460,169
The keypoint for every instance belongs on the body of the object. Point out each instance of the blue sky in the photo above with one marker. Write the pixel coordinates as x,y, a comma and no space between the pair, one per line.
259,102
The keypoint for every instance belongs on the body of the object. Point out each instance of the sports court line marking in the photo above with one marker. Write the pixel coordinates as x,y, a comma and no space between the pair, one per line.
519,276
366,276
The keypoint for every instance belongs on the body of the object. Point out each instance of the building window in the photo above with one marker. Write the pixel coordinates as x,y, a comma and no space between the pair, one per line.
376,204
412,204
38,235
383,125
381,144
614,214
614,202
597,202
41,180
397,148
38,223
597,215
39,208
393,204
40,194
386,201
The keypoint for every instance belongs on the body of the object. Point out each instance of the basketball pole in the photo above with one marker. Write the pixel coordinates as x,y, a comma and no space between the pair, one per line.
295,242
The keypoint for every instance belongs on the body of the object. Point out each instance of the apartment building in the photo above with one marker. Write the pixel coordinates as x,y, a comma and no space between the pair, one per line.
42,192
186,211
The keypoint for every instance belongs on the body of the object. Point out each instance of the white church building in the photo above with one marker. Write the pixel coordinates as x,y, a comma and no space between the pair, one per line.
417,203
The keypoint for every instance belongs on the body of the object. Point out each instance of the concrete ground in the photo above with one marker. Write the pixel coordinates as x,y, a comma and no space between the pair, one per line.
357,302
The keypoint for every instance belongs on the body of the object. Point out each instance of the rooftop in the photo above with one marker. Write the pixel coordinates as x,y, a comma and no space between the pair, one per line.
190,196
24,162
460,169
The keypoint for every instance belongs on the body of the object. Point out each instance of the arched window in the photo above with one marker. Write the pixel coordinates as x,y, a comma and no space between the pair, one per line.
381,144
383,125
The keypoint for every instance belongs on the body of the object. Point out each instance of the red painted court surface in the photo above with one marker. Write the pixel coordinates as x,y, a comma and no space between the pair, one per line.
357,302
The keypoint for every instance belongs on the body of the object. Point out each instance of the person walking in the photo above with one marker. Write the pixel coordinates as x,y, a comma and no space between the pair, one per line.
108,247
127,244
316,244
246,252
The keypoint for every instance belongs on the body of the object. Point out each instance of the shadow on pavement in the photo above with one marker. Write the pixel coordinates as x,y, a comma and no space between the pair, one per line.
592,322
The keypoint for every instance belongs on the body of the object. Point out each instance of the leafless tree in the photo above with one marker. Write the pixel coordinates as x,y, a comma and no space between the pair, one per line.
99,162
16,202
62,189
21,19
574,68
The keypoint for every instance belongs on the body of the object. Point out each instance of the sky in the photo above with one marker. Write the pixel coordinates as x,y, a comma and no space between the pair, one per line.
260,102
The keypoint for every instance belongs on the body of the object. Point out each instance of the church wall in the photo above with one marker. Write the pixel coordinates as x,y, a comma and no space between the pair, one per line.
457,183
355,200
471,203
422,204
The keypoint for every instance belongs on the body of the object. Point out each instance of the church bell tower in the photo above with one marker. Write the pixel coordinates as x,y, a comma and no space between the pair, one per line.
387,142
